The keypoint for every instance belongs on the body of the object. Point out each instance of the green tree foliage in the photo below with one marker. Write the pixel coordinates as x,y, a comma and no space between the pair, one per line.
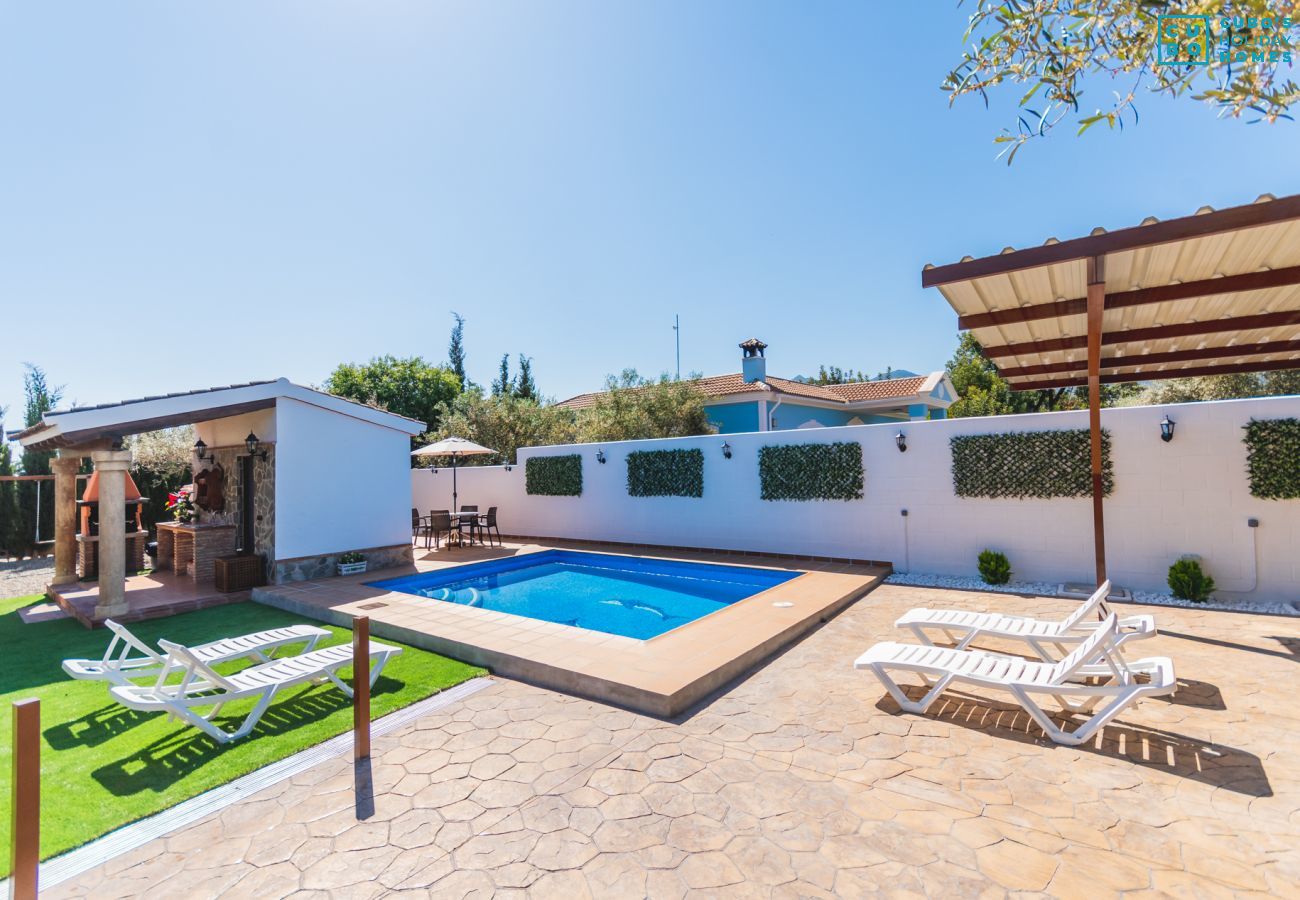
456,349
503,422
981,391
9,543
525,386
501,384
160,464
1222,387
409,387
835,375
1049,50
634,408
39,397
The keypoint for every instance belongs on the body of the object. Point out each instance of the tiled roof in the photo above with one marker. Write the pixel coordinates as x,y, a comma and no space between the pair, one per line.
724,385
878,390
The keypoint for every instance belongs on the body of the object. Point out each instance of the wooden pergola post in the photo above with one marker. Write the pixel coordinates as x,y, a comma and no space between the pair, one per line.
1096,309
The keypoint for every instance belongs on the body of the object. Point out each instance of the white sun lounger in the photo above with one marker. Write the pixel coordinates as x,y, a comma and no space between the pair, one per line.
961,627
200,686
119,665
939,667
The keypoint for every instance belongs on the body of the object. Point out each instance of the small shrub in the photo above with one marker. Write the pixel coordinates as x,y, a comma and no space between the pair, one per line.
994,567
1189,582
349,558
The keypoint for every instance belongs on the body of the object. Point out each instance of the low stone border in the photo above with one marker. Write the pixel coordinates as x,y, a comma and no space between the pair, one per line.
137,834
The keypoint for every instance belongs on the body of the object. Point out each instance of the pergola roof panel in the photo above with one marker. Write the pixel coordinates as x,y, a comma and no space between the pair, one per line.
1181,286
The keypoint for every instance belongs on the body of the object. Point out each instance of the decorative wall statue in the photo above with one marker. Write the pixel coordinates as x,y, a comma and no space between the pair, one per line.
209,489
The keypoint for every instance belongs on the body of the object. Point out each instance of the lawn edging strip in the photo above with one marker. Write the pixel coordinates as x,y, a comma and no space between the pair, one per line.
137,834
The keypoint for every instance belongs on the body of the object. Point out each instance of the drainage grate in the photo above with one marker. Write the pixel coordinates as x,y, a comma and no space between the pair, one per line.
1084,591
371,605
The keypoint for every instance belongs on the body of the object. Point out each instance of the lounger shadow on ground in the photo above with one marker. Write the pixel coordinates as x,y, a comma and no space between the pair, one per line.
95,727
1188,757
167,760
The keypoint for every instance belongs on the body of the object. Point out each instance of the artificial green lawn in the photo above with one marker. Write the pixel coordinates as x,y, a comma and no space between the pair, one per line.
103,765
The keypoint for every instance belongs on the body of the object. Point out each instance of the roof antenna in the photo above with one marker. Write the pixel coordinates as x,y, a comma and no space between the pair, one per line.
677,332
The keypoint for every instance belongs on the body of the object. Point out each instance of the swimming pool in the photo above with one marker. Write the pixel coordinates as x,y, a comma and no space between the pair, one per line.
632,596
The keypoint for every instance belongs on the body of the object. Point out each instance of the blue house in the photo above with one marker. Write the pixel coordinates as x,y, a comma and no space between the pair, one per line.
752,400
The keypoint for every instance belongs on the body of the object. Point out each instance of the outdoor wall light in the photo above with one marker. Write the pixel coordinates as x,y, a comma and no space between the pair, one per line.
600,456
726,450
251,442
1167,429
901,440
200,449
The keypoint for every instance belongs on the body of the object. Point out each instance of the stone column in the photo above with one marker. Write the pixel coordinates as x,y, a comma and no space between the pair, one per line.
111,466
65,518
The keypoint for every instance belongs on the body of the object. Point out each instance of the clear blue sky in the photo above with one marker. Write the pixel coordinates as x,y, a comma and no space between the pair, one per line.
196,194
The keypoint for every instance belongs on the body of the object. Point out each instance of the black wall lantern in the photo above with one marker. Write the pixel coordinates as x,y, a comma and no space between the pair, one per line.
1167,429
600,456
200,449
901,440
726,450
251,442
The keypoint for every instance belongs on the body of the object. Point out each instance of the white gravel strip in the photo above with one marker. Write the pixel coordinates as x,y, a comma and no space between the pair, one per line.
1046,589
966,583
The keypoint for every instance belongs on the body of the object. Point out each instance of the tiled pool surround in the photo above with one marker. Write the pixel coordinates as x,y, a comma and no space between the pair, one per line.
662,676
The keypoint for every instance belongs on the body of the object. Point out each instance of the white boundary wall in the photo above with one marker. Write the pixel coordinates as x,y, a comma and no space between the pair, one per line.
1187,496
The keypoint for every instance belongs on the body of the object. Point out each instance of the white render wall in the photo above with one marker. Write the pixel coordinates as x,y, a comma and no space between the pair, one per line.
231,431
341,483
1187,496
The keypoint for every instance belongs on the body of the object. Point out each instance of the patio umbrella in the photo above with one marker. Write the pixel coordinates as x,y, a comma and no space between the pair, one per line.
455,447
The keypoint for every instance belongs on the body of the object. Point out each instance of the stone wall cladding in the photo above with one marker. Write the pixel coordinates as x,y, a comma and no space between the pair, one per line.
264,508
308,568
263,498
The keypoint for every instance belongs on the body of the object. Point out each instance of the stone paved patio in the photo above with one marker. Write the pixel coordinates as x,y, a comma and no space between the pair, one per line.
801,781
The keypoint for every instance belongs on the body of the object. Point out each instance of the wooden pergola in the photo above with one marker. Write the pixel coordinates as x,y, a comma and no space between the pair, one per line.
1213,293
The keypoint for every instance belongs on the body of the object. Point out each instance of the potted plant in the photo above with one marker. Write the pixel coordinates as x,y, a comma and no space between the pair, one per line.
181,505
351,564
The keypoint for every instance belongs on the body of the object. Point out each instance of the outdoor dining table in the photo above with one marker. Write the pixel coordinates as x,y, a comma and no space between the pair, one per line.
456,519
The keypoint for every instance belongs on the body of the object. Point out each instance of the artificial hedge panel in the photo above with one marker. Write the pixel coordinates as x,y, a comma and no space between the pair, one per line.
1273,458
665,473
554,476
811,471
1024,464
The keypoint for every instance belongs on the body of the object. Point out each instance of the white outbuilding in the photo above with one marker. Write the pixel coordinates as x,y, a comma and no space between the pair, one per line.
290,476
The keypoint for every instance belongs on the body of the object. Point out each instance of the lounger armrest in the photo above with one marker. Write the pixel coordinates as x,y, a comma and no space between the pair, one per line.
1161,670
1138,626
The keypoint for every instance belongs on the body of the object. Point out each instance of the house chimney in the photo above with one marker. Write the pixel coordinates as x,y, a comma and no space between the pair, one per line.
753,364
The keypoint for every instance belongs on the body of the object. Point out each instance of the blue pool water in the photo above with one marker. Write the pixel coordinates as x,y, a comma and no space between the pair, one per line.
628,595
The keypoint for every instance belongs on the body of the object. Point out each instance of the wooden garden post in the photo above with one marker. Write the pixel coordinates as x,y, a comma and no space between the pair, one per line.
26,798
361,687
